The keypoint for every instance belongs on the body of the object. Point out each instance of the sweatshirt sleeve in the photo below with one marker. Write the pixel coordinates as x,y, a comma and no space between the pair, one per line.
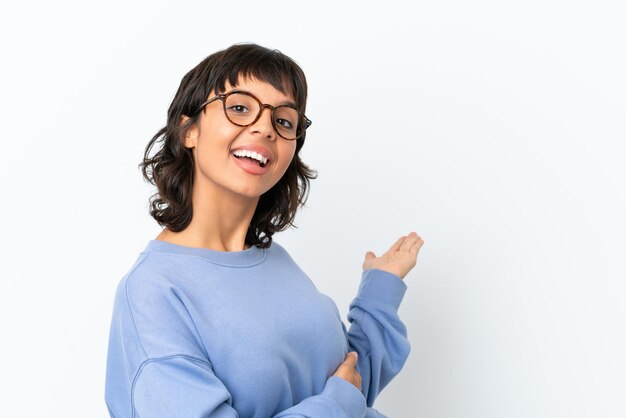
183,386
376,332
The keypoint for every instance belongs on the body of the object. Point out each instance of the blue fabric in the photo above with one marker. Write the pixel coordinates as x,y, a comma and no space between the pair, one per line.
203,333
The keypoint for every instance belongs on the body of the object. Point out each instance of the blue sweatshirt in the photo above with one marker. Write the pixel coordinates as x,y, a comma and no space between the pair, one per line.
203,333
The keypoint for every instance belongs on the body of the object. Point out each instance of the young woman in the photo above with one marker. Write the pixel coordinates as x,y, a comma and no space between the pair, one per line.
215,319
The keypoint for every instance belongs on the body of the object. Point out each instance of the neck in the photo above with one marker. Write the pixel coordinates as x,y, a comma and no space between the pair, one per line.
220,220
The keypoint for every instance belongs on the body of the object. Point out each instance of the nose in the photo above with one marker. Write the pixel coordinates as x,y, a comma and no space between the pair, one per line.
263,125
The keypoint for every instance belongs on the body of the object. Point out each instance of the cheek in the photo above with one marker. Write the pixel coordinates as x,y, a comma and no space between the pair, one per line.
290,149
289,155
216,138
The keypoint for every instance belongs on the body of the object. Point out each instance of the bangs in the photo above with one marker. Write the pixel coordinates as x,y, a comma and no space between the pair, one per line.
269,66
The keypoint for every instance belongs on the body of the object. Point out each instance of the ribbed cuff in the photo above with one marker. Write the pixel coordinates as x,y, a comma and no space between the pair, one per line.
349,398
382,287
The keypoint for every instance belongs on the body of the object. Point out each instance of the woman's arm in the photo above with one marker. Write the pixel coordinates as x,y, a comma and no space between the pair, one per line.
180,386
376,331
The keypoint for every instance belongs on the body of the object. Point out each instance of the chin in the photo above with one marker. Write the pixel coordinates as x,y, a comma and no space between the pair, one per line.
250,193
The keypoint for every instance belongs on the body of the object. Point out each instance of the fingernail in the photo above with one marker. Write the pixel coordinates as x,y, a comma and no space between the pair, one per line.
356,355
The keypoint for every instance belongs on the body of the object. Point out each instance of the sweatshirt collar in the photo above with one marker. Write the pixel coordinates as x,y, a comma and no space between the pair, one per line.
245,258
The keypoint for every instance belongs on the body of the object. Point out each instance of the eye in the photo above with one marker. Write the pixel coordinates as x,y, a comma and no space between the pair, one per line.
239,108
286,118
284,123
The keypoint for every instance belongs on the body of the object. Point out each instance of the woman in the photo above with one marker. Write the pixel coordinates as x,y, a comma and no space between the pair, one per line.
215,319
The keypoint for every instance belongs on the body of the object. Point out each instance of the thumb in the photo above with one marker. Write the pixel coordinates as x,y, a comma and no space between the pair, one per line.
352,357
369,255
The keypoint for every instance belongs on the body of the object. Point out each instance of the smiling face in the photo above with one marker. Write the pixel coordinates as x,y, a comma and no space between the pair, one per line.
214,138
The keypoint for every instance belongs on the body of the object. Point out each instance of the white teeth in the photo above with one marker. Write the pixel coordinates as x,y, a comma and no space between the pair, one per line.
251,154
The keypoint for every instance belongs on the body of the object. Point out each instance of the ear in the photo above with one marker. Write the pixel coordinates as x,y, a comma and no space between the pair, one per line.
191,136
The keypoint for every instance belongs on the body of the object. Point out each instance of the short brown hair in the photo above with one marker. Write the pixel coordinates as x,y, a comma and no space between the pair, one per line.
171,168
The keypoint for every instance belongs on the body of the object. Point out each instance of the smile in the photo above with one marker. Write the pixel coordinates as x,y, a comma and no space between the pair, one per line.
251,165
240,153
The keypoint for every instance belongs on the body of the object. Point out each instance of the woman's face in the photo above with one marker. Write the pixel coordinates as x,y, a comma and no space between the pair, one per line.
214,139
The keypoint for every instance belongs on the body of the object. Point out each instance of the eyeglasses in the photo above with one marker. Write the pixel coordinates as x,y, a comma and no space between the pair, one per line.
243,109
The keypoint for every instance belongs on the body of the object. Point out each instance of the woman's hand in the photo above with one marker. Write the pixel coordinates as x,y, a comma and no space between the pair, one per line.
399,259
347,370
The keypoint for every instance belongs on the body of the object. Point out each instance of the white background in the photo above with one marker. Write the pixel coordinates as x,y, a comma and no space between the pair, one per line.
495,130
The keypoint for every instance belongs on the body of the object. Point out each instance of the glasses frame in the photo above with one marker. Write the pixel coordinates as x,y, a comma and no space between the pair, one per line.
262,106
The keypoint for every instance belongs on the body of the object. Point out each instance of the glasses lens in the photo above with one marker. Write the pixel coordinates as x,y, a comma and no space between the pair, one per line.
287,122
241,109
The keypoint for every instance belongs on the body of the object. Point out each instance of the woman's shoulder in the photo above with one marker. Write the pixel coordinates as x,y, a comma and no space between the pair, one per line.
151,270
277,247
143,273
279,254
